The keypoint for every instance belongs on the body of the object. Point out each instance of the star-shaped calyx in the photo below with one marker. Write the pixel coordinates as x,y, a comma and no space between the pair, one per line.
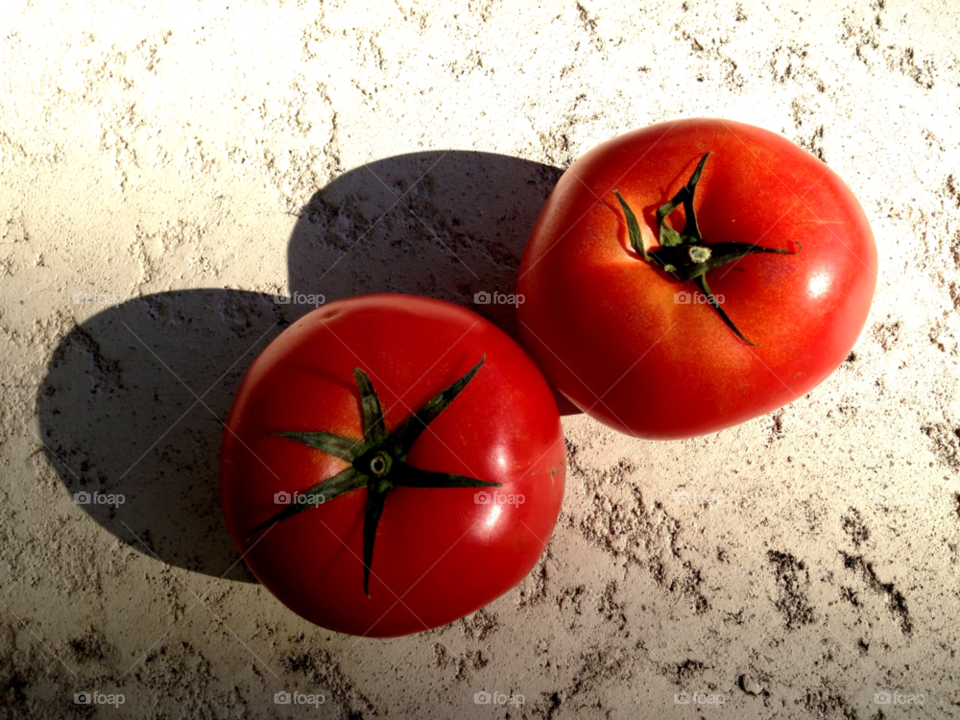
683,253
378,461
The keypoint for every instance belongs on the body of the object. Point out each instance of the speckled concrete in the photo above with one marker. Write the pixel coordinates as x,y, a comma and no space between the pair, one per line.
179,163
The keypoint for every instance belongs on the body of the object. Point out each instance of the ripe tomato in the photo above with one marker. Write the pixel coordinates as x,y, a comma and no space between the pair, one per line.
616,325
429,451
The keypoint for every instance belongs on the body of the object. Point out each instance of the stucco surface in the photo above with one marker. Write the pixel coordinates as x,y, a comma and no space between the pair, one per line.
182,162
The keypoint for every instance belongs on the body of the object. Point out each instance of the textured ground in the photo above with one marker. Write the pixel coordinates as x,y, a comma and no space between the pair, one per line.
181,162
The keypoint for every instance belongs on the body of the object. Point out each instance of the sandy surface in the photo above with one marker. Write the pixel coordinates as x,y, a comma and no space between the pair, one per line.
180,163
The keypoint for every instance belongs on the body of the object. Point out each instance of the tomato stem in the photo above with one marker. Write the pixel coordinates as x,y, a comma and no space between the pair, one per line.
378,461
681,253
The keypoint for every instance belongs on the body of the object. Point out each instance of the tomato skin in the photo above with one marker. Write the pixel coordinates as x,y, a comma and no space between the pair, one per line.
604,326
438,555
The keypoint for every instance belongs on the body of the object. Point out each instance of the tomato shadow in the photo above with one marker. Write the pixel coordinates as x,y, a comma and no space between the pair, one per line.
134,398
445,224
119,416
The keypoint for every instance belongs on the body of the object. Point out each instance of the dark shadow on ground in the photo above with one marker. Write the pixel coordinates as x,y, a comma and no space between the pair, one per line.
118,417
445,224
119,413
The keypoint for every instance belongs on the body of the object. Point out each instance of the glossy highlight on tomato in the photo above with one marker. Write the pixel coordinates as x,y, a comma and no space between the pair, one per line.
643,350
462,514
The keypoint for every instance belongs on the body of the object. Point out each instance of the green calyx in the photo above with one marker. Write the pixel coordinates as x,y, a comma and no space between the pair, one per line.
378,461
683,254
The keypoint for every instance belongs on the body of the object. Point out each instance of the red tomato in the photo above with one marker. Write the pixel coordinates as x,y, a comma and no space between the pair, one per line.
645,351
443,540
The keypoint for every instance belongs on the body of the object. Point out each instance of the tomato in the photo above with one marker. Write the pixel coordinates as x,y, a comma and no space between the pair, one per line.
622,324
390,464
